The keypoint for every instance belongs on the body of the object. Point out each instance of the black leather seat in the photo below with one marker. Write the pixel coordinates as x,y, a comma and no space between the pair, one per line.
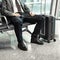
5,26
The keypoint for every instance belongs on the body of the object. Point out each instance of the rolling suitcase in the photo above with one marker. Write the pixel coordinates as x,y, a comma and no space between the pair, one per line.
48,29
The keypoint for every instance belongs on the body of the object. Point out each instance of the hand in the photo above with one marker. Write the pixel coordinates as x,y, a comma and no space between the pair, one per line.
32,14
16,14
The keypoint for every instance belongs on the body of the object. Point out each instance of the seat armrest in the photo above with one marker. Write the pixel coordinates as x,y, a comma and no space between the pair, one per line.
5,20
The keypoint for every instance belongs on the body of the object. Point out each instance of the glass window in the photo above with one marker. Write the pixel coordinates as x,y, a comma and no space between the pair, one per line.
58,9
58,15
39,6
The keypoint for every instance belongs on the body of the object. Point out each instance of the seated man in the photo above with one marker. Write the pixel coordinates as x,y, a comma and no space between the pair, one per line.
18,13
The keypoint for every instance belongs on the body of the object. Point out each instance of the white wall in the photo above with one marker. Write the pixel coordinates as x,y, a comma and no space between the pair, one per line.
57,29
57,24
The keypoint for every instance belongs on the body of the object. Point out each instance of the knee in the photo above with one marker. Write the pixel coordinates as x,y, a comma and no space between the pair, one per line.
42,18
40,21
18,21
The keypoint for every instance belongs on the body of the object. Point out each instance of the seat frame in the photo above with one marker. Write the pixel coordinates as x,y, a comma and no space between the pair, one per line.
6,26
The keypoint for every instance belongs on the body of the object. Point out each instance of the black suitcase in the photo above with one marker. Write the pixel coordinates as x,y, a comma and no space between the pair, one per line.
48,30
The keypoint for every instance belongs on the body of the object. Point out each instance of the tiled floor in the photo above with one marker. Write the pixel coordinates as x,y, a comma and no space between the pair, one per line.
48,51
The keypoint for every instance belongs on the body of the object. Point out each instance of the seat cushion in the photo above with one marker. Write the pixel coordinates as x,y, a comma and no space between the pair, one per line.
25,24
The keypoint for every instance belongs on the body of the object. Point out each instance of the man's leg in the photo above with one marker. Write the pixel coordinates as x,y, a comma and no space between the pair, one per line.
38,19
17,22
36,33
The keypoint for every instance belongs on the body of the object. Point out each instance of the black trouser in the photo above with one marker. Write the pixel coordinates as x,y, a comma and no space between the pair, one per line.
18,21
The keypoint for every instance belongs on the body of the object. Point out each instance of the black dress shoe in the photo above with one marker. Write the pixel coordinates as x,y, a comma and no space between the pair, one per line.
22,46
36,41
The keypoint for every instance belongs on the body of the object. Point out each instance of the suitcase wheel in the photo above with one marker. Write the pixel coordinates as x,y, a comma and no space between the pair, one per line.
48,41
54,40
